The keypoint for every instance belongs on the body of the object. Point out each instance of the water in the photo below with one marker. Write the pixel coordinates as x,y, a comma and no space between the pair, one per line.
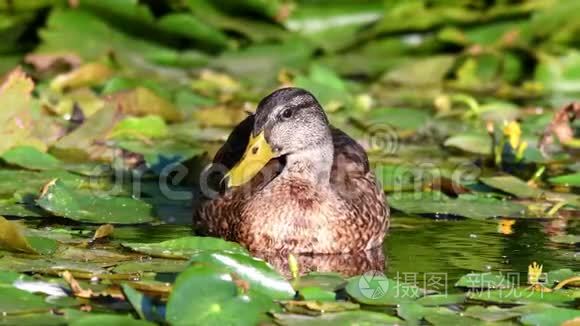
422,247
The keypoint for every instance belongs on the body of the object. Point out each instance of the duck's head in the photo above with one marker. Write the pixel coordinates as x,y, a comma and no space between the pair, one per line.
288,122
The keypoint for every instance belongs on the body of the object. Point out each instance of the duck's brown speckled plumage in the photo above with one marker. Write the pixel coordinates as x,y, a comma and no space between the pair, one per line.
287,213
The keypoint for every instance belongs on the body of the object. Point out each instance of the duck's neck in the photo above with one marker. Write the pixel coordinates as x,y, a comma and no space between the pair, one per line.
313,164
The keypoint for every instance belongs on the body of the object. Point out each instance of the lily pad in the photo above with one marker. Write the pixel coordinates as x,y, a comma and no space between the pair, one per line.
15,301
491,313
521,296
219,299
439,204
441,299
571,180
185,247
377,289
61,200
13,239
512,185
340,318
29,157
316,308
550,317
484,281
566,239
260,276
471,143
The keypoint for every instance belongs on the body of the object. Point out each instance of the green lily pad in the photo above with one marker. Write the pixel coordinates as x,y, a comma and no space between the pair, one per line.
326,281
151,126
315,308
571,180
185,247
12,238
439,204
260,276
559,275
521,296
29,157
155,265
550,317
566,238
471,143
512,185
316,293
400,118
61,200
484,281
358,317
218,299
15,301
491,313
441,299
377,289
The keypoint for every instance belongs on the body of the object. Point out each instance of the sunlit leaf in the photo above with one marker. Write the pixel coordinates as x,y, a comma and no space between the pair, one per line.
185,247
61,200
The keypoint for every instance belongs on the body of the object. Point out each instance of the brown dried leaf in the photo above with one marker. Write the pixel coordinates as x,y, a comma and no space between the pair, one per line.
46,61
560,126
103,231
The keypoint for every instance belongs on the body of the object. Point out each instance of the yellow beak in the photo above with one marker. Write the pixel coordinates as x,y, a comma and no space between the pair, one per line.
257,155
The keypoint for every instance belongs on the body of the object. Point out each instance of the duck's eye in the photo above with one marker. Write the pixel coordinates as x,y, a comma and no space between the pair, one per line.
287,114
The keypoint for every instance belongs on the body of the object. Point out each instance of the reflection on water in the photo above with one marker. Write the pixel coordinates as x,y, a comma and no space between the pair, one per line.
420,246
345,264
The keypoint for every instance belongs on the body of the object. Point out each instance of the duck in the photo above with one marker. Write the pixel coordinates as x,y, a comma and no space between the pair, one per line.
287,181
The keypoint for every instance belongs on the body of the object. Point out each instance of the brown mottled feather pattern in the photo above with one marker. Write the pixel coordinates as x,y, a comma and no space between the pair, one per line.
294,215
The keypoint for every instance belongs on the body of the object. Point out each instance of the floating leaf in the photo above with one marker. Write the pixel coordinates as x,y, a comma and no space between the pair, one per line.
15,301
142,101
566,238
512,185
438,204
185,247
471,143
518,295
219,299
318,307
484,281
571,180
61,200
441,299
85,75
490,313
260,276
31,158
550,317
377,289
12,238
358,317
150,126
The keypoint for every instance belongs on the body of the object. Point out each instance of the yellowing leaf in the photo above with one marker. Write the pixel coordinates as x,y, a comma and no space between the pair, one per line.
12,237
86,75
15,118
142,101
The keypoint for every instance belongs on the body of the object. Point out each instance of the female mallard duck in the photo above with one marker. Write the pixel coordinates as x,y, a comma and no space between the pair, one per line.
295,183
